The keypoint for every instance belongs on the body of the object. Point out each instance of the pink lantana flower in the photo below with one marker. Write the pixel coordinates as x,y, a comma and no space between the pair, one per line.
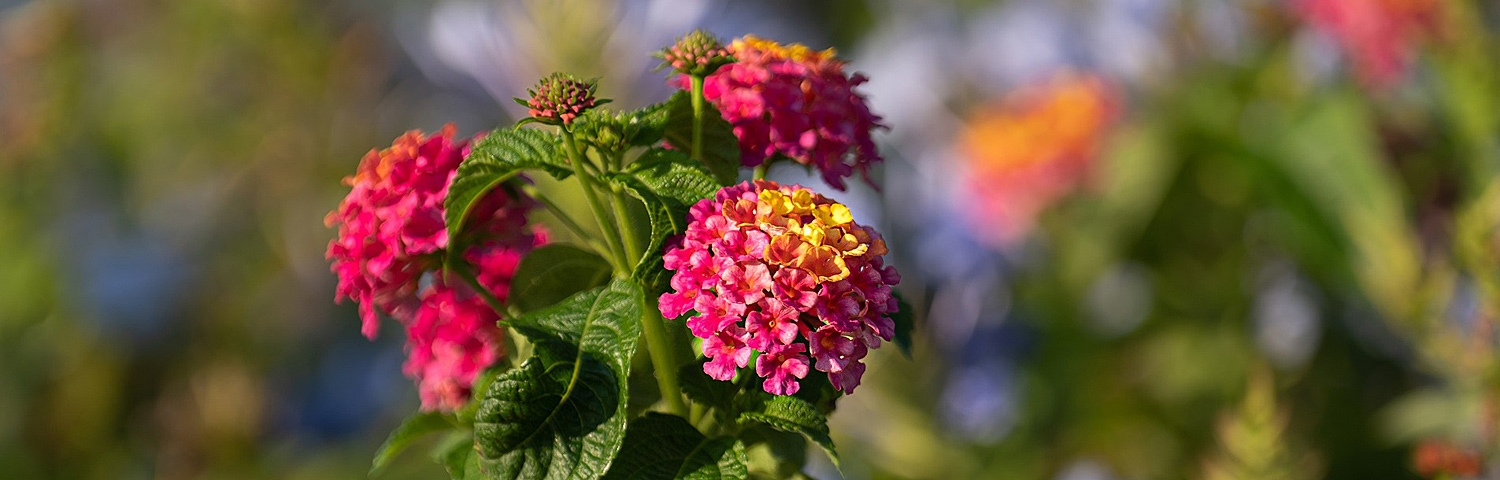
727,352
792,101
818,278
451,339
782,366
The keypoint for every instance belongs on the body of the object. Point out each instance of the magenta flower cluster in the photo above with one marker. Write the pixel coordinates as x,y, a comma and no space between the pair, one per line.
795,102
391,237
785,273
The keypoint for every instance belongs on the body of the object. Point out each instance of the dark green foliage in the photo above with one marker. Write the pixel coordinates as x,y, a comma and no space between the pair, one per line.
788,414
666,447
562,414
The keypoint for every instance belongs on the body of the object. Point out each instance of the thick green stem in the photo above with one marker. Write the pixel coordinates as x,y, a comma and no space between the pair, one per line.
616,253
627,233
762,169
697,96
659,345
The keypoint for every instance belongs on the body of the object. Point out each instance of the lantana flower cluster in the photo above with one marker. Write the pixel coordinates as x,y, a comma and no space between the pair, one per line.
785,273
390,242
1030,150
1377,35
796,102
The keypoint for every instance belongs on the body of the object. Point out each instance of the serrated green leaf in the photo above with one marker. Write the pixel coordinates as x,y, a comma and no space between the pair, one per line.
788,414
905,319
667,447
671,174
494,159
721,148
553,272
557,416
561,415
410,430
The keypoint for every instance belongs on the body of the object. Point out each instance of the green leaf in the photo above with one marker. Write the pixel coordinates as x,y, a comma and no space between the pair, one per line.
494,159
410,430
562,414
554,272
666,216
671,174
703,389
660,446
905,319
772,453
453,452
721,149
644,127
788,414
557,416
667,183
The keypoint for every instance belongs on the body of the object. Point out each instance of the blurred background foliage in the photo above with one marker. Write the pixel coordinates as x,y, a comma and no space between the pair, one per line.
1277,259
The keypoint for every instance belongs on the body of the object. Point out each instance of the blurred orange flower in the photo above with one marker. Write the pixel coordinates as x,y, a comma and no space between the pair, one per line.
1032,148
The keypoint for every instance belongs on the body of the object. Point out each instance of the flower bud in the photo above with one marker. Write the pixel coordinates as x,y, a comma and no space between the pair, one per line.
698,54
559,99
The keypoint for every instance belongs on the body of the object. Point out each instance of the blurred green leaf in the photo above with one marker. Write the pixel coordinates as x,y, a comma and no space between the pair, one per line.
721,148
553,272
413,428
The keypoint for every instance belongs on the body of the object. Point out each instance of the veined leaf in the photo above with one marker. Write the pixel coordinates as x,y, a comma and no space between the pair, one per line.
561,415
410,430
788,414
551,273
494,159
721,148
671,174
667,447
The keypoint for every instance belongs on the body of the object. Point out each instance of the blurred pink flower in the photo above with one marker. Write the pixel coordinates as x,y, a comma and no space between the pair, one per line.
1377,35
789,263
796,102
391,234
450,340
1031,149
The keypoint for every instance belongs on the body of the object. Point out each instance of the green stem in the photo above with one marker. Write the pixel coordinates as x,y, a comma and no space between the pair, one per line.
562,216
697,97
661,357
463,272
632,241
762,169
616,253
